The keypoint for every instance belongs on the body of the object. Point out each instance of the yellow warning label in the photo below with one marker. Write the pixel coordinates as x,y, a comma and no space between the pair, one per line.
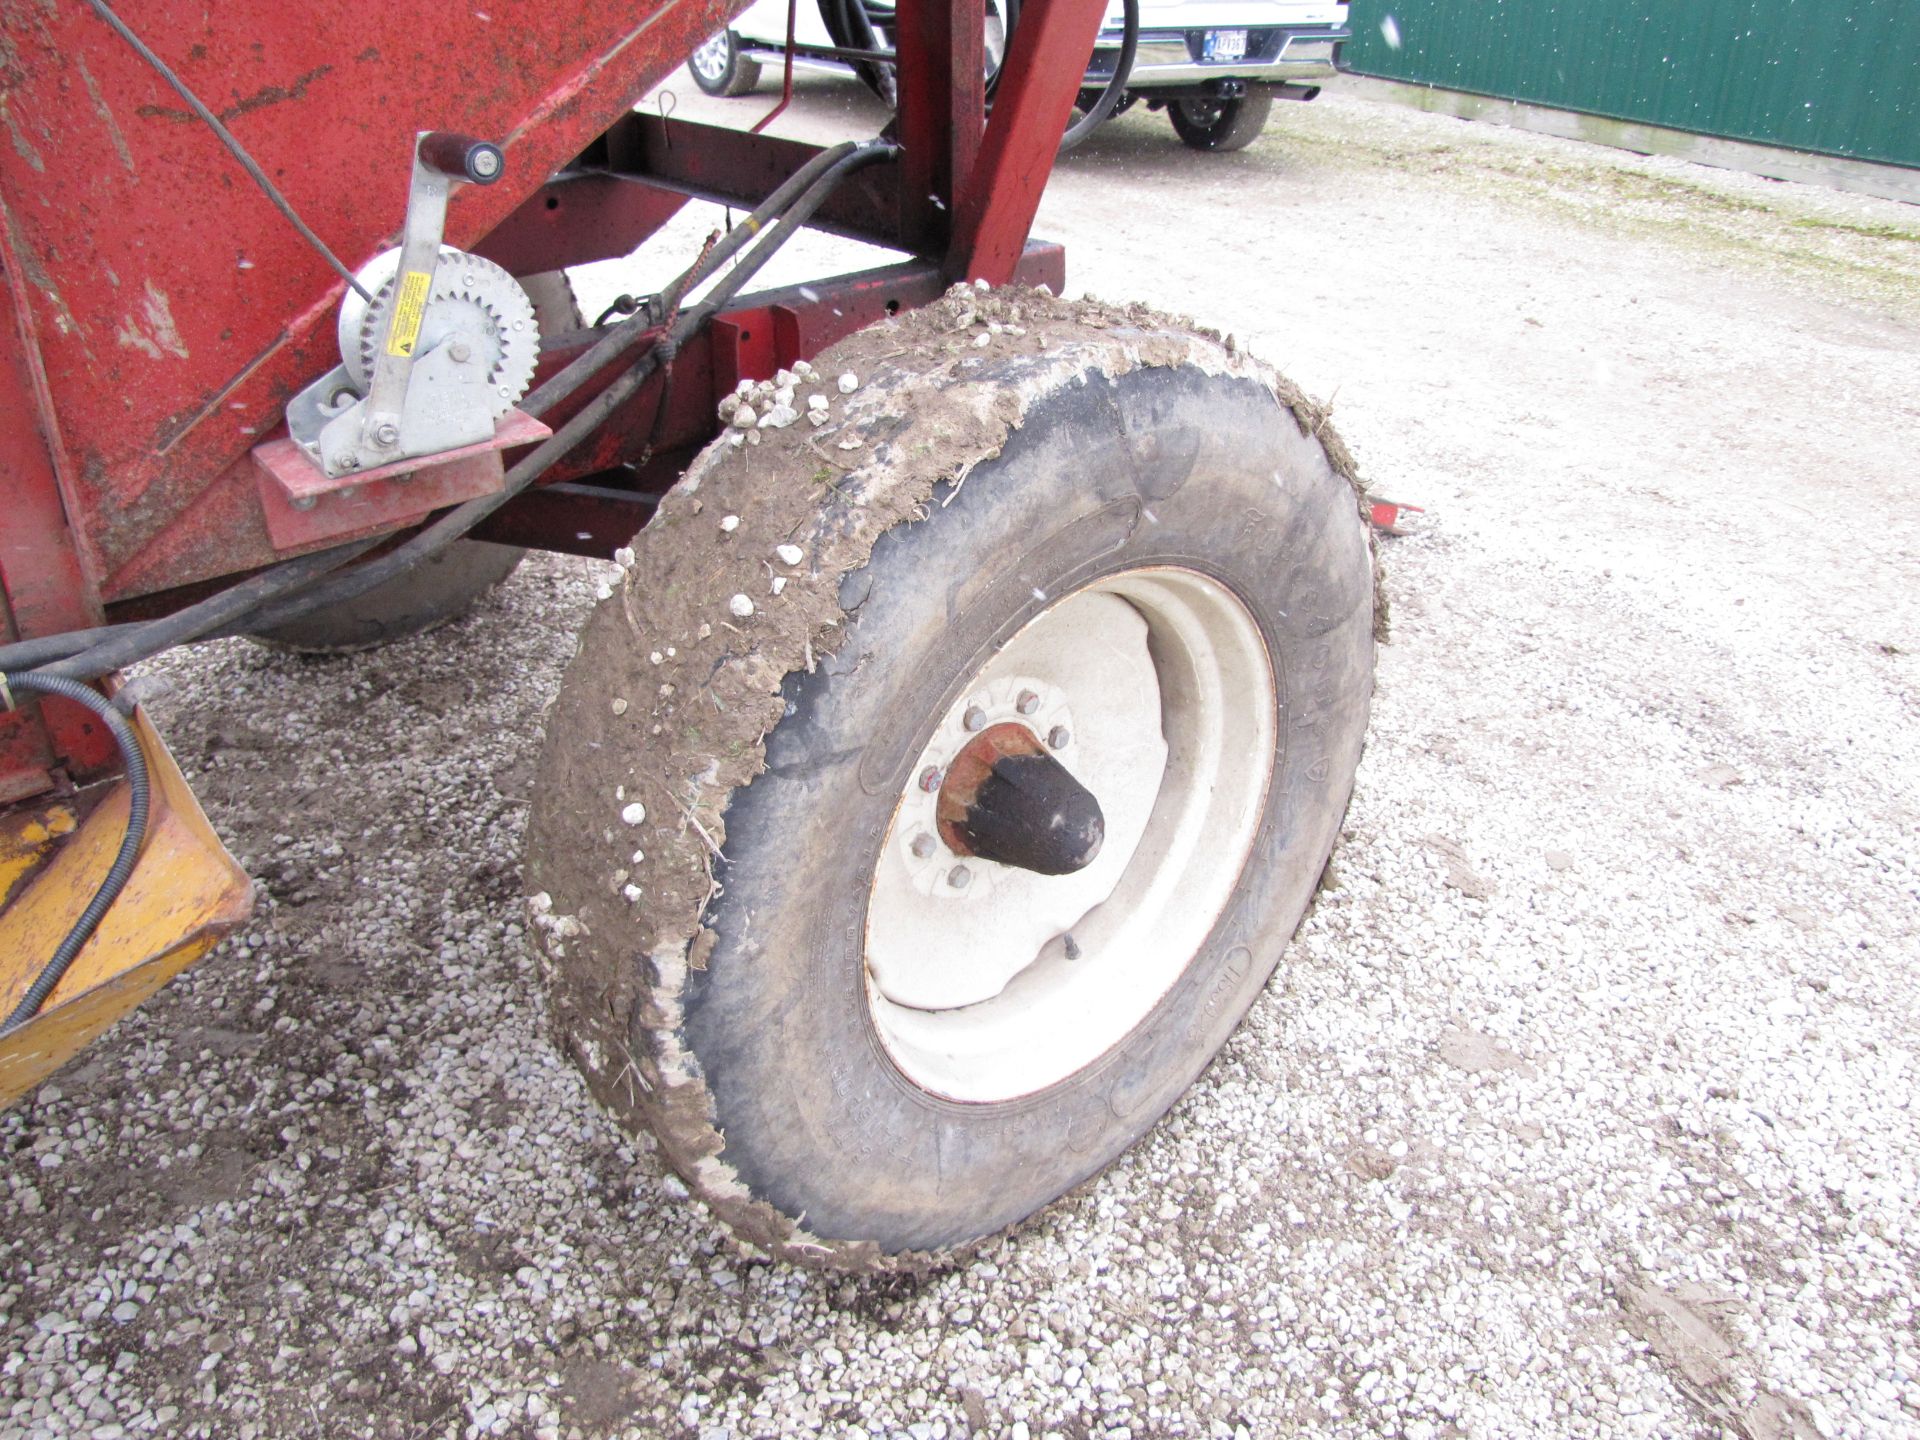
408,308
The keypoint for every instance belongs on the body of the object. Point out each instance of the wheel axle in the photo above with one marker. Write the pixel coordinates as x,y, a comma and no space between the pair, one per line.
1007,800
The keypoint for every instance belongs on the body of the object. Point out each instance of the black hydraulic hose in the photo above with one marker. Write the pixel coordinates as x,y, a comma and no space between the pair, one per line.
214,615
140,788
851,28
1116,85
338,589
31,654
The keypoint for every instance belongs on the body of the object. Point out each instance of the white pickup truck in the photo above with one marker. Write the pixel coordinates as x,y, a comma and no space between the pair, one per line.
1215,66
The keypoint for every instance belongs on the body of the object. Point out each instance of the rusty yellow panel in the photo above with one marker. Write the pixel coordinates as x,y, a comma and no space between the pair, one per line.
184,894
27,836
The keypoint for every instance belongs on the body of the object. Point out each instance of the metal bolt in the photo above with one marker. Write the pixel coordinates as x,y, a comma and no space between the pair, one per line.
305,502
975,718
1028,702
386,433
930,778
486,163
959,877
460,352
922,846
1057,737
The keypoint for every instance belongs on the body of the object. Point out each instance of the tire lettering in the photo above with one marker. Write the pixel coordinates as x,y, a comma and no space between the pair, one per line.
1233,970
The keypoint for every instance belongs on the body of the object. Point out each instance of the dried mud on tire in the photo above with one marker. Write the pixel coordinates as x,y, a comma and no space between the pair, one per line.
687,696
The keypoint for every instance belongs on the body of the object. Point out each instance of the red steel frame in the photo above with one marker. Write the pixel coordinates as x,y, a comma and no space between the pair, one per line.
157,313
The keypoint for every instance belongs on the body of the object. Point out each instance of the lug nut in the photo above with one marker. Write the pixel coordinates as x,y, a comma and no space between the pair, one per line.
1058,737
959,877
975,718
930,779
1028,702
922,846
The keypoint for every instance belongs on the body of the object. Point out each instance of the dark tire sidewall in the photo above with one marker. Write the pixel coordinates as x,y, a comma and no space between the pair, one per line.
1239,124
818,1119
432,593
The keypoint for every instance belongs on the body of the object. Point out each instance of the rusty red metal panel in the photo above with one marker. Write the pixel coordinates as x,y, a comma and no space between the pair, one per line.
593,520
42,585
175,309
942,110
305,507
577,219
739,168
1045,66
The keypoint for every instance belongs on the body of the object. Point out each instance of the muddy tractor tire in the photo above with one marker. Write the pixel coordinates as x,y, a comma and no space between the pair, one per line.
944,782
424,598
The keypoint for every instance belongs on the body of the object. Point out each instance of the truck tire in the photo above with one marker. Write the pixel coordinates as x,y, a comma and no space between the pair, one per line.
1222,125
719,68
429,595
1142,550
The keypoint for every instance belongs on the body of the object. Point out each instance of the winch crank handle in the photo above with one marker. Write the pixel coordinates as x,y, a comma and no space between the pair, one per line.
461,157
442,159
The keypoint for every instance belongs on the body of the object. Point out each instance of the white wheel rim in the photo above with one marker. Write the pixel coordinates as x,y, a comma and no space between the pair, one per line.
1161,681
710,60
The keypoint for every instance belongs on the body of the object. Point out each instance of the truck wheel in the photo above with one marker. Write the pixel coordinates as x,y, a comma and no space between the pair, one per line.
719,68
1222,125
425,597
817,879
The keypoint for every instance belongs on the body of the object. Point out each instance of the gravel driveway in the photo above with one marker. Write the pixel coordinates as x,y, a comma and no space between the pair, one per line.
1582,1105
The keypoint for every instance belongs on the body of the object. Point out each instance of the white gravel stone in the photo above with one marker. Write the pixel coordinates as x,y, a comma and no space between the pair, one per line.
741,606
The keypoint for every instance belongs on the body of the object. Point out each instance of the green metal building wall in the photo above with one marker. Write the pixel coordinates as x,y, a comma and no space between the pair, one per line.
1838,77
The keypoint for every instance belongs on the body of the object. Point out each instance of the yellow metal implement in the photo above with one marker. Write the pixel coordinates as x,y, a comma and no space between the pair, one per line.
183,896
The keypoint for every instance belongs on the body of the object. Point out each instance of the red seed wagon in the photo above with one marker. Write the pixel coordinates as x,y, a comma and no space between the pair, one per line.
978,707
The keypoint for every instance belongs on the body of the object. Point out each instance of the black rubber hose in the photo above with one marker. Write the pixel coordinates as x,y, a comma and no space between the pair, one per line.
1116,86
135,763
851,28
44,650
214,615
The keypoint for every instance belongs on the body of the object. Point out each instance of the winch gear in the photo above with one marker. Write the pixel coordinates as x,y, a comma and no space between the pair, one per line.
472,300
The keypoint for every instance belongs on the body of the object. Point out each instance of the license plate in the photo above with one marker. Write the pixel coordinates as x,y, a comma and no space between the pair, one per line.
1224,45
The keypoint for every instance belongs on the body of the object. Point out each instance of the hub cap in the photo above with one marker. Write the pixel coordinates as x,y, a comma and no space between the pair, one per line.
710,60
988,981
